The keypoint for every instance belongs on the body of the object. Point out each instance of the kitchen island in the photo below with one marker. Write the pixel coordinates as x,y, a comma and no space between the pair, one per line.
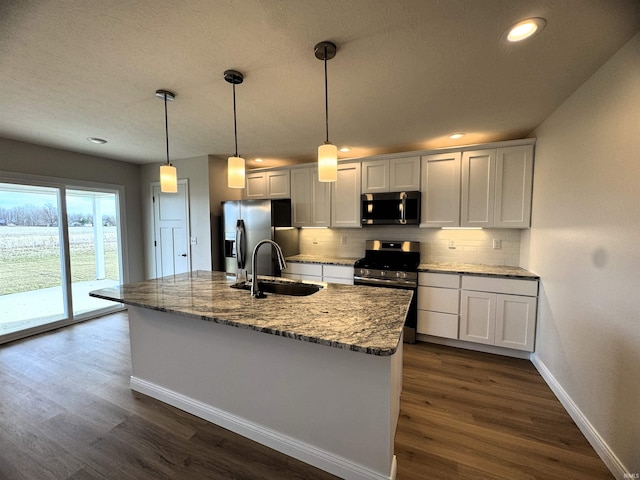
317,377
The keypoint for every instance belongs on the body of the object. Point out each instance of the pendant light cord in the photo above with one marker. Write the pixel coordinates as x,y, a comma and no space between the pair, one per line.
326,95
235,127
166,126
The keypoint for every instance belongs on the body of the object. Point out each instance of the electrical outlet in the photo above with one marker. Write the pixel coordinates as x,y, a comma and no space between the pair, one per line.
343,240
314,240
497,244
194,240
452,244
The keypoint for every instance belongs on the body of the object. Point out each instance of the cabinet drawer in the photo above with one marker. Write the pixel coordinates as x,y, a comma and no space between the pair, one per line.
342,280
313,269
445,280
338,271
500,285
437,324
444,300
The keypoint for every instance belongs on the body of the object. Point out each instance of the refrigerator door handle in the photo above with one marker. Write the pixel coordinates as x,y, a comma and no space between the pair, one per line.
240,253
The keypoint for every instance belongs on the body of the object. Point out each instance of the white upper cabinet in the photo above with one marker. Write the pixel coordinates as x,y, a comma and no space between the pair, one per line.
375,176
300,197
345,196
270,184
404,174
441,190
478,188
310,198
514,183
256,185
391,175
320,201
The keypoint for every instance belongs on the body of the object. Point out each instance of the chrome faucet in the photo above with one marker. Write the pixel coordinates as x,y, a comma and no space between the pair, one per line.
254,260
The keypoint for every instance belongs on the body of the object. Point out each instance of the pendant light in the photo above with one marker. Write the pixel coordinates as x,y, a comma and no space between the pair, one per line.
235,164
327,152
168,173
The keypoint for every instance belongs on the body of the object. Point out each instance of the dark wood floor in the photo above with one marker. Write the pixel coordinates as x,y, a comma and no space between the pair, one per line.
66,412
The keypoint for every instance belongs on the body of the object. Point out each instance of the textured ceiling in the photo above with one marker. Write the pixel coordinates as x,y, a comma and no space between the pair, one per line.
407,72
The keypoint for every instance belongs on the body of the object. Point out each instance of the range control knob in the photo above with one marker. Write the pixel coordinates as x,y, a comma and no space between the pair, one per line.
382,273
401,274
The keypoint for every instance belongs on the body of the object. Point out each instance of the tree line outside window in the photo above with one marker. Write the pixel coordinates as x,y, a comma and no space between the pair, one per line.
47,216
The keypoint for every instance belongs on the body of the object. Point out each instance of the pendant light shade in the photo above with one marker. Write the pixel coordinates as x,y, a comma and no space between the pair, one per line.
168,173
327,163
168,179
235,172
327,152
235,164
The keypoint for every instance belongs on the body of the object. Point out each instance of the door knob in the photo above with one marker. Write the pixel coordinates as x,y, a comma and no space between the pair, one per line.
183,255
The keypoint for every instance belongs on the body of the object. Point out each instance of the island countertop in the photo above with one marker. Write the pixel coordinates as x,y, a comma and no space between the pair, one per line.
358,318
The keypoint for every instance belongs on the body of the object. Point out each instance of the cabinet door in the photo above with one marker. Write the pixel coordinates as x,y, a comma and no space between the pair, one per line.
345,197
320,201
515,322
256,185
375,176
477,317
478,188
441,190
301,197
278,184
404,174
514,183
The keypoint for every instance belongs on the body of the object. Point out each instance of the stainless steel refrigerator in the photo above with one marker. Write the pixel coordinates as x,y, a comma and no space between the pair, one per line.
245,223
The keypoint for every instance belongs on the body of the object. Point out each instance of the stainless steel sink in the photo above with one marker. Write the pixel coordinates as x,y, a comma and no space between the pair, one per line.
281,288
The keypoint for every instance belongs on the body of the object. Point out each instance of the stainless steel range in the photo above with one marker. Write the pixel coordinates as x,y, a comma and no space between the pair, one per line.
392,264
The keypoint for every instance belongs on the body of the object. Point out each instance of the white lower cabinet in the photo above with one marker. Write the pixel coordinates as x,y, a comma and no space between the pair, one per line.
498,311
438,304
317,272
303,271
480,309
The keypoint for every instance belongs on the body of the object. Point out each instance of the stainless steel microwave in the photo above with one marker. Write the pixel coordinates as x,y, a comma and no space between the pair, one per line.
392,208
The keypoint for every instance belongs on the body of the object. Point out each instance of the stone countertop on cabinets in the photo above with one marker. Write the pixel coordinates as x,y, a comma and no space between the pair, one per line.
478,269
359,318
325,260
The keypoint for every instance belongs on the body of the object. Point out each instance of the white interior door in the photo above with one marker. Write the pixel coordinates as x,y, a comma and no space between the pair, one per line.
171,230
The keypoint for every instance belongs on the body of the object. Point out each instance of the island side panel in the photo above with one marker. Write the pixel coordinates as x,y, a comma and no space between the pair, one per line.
333,408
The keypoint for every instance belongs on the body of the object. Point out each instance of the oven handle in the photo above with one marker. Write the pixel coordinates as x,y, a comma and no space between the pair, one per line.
384,282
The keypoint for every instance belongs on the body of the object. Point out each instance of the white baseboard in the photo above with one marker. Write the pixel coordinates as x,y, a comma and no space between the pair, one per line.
305,452
603,450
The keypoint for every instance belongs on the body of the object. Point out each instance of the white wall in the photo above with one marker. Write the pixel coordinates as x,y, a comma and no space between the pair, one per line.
25,158
196,171
585,245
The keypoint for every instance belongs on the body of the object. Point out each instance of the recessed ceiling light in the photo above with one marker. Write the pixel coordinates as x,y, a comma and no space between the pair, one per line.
259,160
345,149
455,136
525,29
96,140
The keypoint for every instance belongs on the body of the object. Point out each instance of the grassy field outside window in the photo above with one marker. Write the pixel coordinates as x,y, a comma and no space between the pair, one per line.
30,257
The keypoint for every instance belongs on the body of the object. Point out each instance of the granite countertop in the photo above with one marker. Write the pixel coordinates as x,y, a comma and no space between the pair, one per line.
326,260
358,318
478,269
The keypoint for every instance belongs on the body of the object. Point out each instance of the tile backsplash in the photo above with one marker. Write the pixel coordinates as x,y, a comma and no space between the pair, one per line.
436,245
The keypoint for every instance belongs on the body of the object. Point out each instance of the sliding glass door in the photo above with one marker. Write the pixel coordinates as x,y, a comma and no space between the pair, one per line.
56,245
31,292
93,246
